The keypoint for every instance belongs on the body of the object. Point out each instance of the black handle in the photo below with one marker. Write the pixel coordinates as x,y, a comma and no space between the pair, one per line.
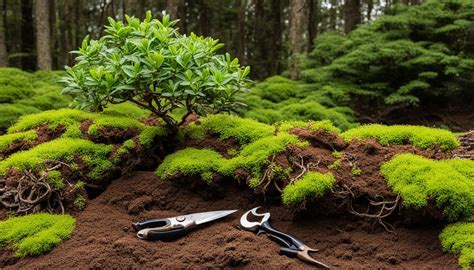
292,253
281,237
166,235
152,223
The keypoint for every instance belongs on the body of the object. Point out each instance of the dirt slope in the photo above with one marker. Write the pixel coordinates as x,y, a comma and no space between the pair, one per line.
104,238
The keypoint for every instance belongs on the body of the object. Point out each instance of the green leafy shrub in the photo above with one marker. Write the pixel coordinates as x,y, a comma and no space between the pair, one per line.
418,179
150,64
458,238
311,185
412,55
35,234
419,136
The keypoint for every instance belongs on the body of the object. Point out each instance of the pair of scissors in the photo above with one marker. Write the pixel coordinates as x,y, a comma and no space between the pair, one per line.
167,229
292,247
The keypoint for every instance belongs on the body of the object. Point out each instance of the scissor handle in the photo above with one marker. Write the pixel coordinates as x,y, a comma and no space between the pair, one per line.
280,237
162,233
152,223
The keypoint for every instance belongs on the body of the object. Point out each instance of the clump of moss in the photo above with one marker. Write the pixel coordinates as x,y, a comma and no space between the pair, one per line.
59,149
126,109
251,158
35,234
228,126
419,136
103,121
150,133
336,165
52,118
8,139
311,185
80,202
325,125
418,179
55,179
458,238
356,170
337,154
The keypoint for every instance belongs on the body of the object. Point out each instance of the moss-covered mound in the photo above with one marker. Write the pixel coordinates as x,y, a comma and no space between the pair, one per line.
422,137
458,238
312,184
35,234
66,152
25,93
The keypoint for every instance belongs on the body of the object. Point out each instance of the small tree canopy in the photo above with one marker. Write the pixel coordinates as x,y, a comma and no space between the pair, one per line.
150,64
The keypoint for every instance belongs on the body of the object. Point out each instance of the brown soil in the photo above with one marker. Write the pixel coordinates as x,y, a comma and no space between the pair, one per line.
212,141
104,238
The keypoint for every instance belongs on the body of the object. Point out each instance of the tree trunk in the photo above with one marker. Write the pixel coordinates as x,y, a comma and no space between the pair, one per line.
276,37
241,51
3,46
370,7
172,8
28,61
352,16
43,46
203,18
296,34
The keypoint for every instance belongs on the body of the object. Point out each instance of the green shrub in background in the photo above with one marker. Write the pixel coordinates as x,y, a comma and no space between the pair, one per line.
35,234
458,238
449,183
150,64
419,136
25,93
417,54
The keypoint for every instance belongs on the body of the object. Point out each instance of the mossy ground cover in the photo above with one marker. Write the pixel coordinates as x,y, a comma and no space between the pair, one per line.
7,140
35,234
311,185
458,238
450,183
419,136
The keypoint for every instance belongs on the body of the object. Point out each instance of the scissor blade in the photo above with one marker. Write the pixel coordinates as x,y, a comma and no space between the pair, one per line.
204,217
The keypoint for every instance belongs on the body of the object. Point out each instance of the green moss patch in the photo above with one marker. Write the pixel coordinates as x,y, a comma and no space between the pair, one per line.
202,162
127,109
449,183
104,121
52,118
231,127
35,234
311,185
458,238
8,139
419,136
59,149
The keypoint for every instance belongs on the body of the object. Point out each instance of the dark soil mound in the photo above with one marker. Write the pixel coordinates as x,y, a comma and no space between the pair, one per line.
104,238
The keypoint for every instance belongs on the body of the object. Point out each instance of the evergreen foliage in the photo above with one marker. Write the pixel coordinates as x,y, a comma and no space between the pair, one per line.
150,64
311,185
415,55
35,234
419,136
458,238
449,183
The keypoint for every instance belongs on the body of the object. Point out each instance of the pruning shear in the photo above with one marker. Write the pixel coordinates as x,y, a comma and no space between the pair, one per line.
167,229
292,247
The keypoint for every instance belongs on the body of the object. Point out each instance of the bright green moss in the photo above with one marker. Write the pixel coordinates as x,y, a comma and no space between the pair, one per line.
189,161
251,158
418,179
8,139
150,133
422,137
59,149
55,179
337,154
241,129
286,126
9,113
336,165
73,131
35,234
53,118
103,121
356,170
126,109
458,238
325,125
267,116
80,202
311,185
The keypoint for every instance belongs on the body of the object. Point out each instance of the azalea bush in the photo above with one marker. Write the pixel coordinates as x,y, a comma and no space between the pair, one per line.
152,65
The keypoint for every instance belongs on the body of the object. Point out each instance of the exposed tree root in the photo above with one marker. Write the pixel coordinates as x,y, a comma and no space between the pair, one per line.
32,193
377,210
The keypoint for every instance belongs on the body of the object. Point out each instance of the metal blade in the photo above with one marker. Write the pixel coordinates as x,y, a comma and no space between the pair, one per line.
205,217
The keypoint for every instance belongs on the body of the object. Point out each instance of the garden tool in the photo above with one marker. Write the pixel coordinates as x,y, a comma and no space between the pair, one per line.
292,247
167,229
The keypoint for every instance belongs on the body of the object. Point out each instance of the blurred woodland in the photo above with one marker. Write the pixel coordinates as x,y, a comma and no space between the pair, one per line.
261,33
